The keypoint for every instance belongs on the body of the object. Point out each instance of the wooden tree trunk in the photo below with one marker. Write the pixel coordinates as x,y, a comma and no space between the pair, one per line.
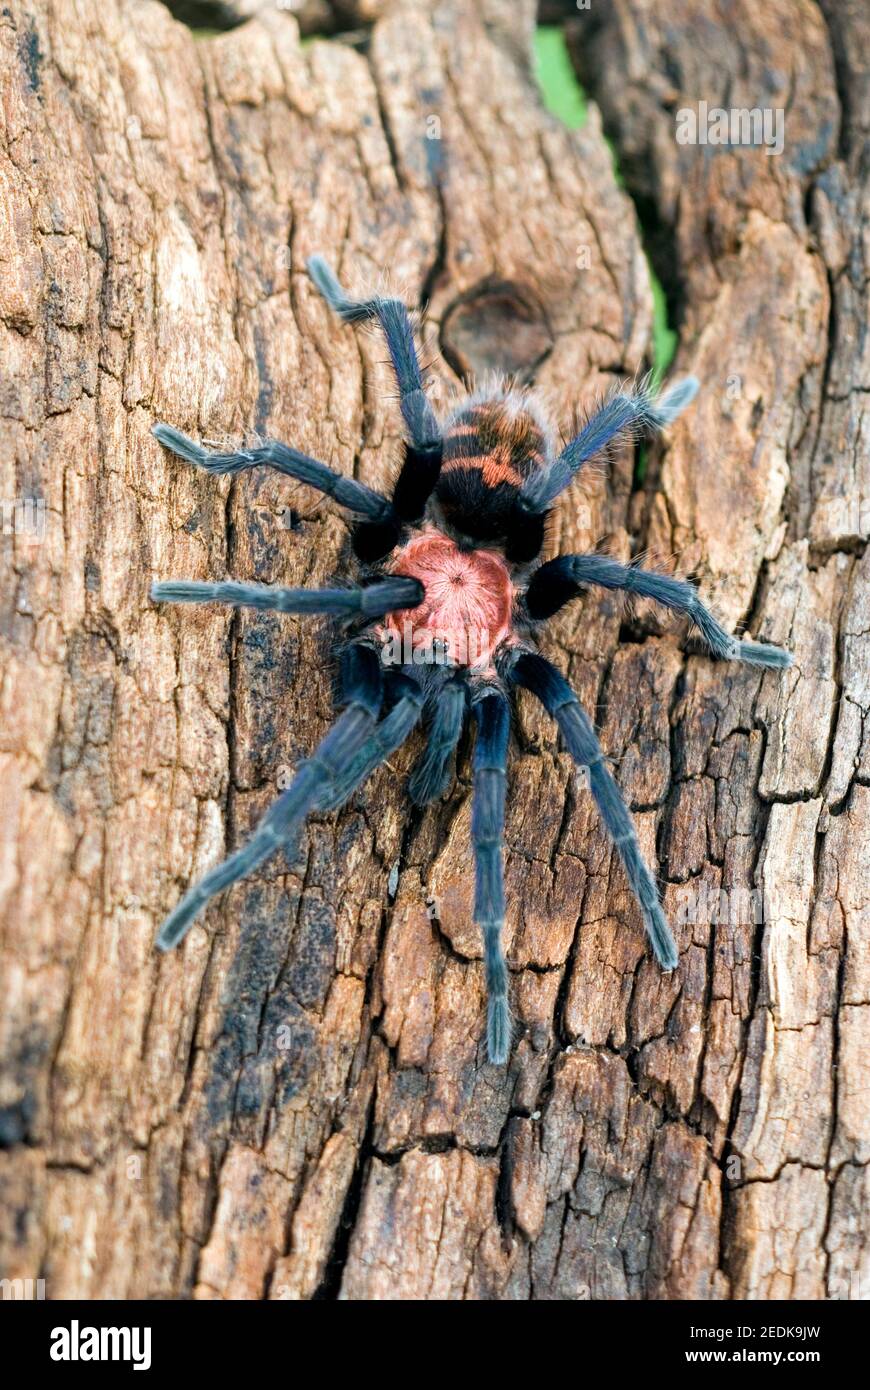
297,1104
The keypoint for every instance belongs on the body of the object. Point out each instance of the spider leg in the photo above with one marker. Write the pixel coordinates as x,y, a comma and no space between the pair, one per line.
371,602
492,715
383,740
424,449
560,580
535,673
395,321
429,778
346,491
623,413
362,685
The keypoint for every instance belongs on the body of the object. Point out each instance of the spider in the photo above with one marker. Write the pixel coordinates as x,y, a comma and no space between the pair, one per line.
443,618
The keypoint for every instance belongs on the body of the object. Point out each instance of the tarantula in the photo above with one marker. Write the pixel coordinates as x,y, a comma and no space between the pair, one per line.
450,593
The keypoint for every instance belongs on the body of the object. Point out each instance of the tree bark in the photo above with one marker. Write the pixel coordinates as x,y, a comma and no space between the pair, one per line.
297,1103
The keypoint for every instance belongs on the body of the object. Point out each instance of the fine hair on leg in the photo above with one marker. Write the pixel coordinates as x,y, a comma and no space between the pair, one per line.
626,413
346,491
372,601
538,675
361,693
431,774
560,580
407,696
492,716
423,428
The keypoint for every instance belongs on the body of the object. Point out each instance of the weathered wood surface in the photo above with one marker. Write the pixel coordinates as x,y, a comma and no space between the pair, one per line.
297,1103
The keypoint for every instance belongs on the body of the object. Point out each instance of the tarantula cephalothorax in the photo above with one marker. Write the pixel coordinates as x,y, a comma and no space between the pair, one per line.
443,618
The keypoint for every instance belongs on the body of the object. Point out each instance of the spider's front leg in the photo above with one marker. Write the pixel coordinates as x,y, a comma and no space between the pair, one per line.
432,773
539,676
492,716
362,688
352,749
407,698
560,580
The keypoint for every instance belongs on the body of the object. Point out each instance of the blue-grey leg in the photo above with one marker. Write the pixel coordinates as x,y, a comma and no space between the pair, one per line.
430,776
383,740
624,413
560,580
346,491
362,684
392,314
492,715
541,677
372,601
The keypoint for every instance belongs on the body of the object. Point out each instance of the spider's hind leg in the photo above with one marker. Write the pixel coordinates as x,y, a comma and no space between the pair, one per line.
424,450
623,413
346,491
393,316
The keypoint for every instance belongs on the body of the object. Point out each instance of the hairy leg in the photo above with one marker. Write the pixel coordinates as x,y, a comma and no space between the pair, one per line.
492,714
384,739
560,580
541,677
346,491
362,685
372,601
419,417
430,776
424,449
624,413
